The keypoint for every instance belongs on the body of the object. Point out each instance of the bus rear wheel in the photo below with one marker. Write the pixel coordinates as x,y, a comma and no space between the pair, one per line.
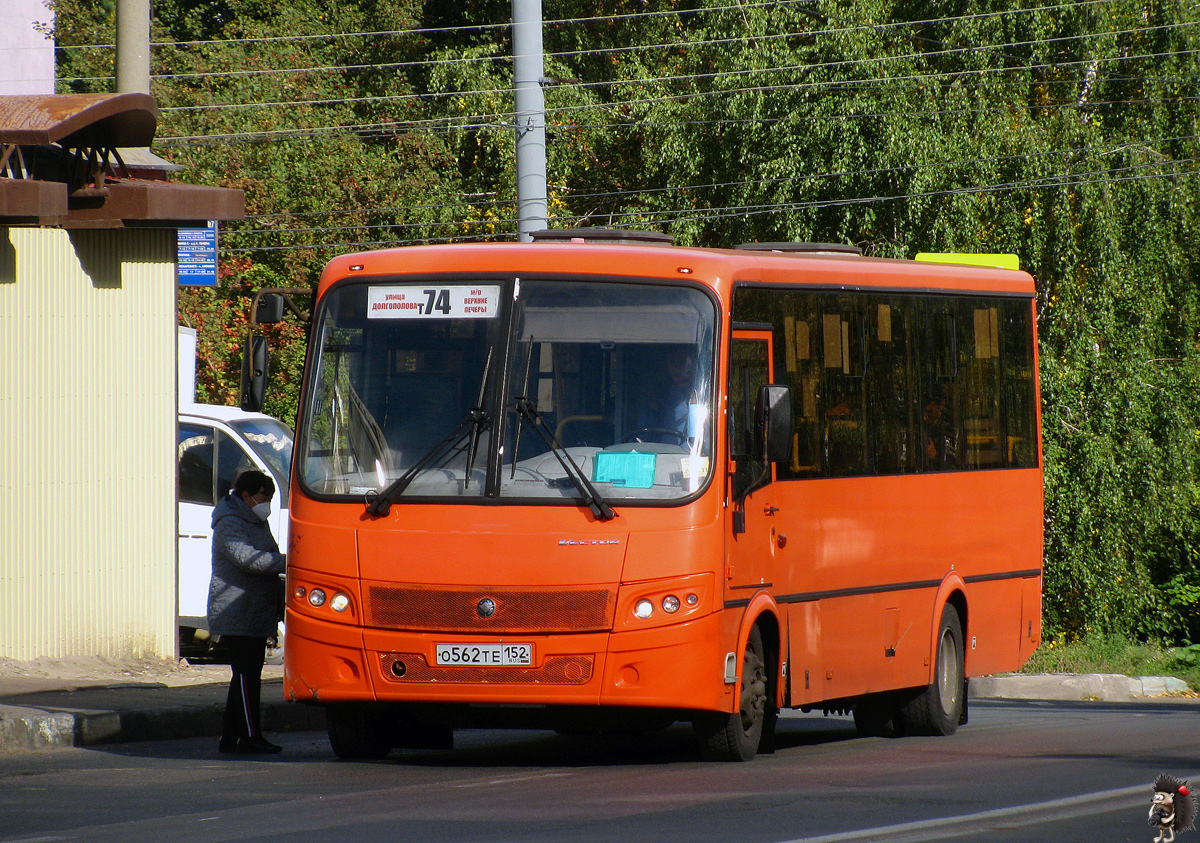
358,732
938,708
736,737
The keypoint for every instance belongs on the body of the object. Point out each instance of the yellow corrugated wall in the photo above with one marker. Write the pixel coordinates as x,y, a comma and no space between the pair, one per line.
87,443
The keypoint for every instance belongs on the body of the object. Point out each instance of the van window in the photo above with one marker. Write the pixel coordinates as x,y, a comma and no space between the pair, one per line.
272,441
232,460
209,460
197,458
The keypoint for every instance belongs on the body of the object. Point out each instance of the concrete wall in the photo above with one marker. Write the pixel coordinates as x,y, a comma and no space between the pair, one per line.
87,443
26,55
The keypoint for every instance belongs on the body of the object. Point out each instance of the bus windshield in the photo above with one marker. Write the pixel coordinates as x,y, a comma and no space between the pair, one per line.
445,387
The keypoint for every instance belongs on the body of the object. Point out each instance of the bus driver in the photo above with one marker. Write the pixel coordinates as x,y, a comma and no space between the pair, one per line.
664,413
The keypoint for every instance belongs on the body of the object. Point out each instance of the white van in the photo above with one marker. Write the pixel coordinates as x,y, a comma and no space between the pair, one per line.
216,444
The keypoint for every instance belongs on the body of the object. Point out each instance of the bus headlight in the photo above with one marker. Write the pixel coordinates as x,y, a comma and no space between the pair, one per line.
316,597
646,604
340,602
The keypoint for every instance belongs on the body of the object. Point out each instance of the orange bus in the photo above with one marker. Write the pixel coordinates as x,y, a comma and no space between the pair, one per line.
599,481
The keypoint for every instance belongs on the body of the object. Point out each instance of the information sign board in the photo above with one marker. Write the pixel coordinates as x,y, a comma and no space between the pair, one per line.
196,255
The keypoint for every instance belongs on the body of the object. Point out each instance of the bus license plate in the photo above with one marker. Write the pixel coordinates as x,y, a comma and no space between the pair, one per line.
484,655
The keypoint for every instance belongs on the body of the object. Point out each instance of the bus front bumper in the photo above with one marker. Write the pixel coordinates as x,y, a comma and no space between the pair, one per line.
675,667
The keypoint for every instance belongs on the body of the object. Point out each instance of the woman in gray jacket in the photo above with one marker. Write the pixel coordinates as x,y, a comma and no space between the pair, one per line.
243,603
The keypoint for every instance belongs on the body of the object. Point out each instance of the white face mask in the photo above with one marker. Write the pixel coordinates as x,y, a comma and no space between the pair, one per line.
262,510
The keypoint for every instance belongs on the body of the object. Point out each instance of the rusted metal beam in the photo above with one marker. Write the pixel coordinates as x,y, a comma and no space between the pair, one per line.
79,119
60,166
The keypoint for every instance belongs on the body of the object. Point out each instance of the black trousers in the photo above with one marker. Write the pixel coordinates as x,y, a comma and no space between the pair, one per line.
243,712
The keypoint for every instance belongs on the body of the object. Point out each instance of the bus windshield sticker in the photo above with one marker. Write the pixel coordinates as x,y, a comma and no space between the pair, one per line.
434,302
631,469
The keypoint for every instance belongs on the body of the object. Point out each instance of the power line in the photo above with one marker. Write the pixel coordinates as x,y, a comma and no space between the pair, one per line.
1143,144
960,73
740,8
503,120
469,203
702,215
473,28
1090,63
1054,180
269,39
360,244
688,44
1065,180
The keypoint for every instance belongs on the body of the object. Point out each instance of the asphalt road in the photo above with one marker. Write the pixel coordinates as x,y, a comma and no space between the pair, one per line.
1020,771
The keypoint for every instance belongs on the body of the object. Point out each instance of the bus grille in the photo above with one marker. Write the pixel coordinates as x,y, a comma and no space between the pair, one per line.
428,608
558,670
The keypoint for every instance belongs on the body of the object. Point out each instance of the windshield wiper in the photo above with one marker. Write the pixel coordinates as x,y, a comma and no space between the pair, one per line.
472,426
595,501
527,409
519,398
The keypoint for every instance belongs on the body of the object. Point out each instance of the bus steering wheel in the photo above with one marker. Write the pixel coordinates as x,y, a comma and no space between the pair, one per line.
674,436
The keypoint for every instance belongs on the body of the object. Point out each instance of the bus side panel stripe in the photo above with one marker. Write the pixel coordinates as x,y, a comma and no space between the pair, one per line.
810,596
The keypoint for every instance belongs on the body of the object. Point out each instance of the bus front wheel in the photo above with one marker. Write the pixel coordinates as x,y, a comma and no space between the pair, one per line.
736,737
937,709
358,732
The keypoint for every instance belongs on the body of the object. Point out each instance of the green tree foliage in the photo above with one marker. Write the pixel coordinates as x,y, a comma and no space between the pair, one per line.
1064,133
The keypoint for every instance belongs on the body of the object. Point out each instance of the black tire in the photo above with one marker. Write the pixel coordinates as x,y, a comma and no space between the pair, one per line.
938,708
358,732
736,737
875,715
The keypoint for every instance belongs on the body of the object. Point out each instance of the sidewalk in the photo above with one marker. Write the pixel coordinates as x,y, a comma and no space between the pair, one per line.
163,701
105,704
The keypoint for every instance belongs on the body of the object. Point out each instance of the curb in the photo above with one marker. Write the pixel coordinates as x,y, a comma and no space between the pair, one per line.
26,729
126,714
1106,687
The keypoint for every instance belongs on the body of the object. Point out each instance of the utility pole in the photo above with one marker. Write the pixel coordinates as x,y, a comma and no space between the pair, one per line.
133,46
532,208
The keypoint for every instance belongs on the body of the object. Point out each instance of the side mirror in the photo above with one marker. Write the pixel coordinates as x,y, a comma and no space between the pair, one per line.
254,374
773,416
268,309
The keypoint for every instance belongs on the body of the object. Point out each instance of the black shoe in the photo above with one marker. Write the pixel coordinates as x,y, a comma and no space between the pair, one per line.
257,746
227,746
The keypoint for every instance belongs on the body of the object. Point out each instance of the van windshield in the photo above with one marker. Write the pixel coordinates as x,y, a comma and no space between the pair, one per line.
272,441
477,397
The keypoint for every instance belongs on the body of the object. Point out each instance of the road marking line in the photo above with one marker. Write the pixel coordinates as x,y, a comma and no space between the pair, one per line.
511,779
1016,815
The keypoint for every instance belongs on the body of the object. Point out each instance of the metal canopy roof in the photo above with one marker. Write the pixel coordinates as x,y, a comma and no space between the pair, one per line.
108,120
61,165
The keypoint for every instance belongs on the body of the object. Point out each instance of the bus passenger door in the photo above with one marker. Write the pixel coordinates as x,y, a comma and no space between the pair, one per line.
752,545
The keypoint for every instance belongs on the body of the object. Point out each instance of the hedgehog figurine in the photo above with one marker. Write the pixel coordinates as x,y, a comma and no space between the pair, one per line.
1172,809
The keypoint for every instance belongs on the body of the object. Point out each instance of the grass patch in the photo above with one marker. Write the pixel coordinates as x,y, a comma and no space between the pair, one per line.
1116,654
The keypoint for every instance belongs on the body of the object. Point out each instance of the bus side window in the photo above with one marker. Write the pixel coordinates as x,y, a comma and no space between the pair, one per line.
890,388
844,361
980,364
749,370
1017,385
802,364
939,394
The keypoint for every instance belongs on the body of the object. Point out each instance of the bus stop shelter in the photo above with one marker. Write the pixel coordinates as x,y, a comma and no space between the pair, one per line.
88,376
